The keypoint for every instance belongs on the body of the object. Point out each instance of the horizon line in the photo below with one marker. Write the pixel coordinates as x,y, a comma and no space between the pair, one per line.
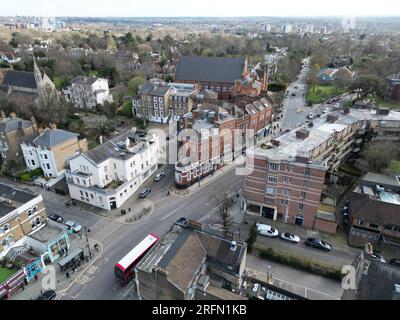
172,17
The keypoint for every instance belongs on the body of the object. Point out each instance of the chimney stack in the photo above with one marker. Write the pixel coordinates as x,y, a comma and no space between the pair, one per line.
2,114
40,131
13,115
34,124
53,126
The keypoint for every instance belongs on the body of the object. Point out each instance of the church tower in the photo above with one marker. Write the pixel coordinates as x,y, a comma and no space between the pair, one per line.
37,73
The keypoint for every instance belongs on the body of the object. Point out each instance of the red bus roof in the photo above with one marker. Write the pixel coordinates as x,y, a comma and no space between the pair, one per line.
137,251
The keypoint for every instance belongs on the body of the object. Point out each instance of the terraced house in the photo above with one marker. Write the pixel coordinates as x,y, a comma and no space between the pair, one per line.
21,214
287,176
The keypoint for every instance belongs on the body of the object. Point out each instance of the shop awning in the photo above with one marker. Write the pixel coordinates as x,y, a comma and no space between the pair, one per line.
69,257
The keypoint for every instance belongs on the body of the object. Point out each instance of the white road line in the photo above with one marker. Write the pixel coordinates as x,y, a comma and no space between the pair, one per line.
174,211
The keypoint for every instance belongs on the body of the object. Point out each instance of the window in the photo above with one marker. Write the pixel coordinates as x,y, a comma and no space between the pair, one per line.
289,168
29,212
284,203
6,227
81,192
87,194
301,206
373,225
48,166
33,162
306,183
10,239
360,222
272,179
303,195
270,190
270,200
46,157
273,167
307,172
4,242
287,179
286,191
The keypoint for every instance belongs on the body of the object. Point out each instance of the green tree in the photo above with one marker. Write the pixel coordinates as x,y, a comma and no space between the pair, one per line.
135,83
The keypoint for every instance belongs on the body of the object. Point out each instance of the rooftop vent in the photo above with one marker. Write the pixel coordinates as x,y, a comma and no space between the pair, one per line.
302,134
332,118
382,111
233,246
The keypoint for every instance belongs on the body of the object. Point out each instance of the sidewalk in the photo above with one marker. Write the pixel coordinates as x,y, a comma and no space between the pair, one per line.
206,180
35,287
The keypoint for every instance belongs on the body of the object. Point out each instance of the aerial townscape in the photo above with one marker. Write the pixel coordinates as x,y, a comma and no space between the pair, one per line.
199,158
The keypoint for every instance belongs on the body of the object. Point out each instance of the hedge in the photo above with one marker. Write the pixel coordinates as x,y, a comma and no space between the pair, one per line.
302,264
252,237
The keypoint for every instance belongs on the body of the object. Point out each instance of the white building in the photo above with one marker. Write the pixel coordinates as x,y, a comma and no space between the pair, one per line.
88,92
110,174
50,151
287,28
348,23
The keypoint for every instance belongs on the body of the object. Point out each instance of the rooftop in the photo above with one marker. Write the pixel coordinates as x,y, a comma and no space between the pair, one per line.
12,198
290,146
123,146
214,69
15,78
49,232
9,124
87,81
52,137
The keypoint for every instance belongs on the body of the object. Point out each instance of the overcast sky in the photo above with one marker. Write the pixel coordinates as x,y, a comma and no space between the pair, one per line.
209,8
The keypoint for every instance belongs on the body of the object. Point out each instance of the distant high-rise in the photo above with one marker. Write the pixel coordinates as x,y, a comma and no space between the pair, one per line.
287,28
310,28
348,23
324,30
267,28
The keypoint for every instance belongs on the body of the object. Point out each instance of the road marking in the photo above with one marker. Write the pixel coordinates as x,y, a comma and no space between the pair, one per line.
174,211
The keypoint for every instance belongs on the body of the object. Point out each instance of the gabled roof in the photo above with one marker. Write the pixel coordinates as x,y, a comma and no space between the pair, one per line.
22,79
51,138
8,125
194,68
88,81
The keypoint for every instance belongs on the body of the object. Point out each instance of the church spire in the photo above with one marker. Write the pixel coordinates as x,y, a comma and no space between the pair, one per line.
37,73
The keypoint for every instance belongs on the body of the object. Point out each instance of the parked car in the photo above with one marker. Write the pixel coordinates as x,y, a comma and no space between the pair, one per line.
159,176
48,295
144,193
325,110
310,115
55,217
290,237
318,243
72,225
266,230
293,94
395,262
377,257
182,222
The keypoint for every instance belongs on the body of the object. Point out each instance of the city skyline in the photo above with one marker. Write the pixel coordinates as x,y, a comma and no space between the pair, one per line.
178,8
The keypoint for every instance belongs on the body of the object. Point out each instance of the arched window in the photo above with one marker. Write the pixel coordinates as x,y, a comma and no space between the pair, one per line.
29,212
4,242
10,239
6,227
34,209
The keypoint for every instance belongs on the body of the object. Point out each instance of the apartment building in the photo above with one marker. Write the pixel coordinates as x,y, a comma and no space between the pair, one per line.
212,136
393,88
12,131
158,101
88,92
109,174
286,176
50,150
21,214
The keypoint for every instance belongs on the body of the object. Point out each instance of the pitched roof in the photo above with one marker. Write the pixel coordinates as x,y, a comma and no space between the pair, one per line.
20,79
51,138
193,68
88,81
364,206
8,125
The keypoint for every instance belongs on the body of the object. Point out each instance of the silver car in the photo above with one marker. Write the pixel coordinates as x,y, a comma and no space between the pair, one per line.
72,225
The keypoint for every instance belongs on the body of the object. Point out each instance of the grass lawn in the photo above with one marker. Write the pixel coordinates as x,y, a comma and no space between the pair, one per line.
5,274
93,73
318,93
382,103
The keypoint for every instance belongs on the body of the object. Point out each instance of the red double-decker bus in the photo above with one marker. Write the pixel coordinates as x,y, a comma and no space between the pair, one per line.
124,269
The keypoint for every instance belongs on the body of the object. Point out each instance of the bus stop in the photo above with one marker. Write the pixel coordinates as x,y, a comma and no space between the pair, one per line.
72,259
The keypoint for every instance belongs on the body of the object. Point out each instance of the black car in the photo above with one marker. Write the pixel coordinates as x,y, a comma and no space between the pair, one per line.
55,217
144,193
395,262
318,243
182,222
48,295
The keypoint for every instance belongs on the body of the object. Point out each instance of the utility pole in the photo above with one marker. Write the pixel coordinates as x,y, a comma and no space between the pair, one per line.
87,243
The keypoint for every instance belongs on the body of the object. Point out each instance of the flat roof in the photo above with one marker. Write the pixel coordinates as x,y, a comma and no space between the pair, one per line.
291,146
12,198
49,232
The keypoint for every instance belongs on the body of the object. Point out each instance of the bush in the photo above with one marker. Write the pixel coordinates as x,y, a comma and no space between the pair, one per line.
302,264
25,177
252,237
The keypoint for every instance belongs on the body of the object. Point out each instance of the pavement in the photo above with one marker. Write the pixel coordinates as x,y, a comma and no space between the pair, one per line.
36,287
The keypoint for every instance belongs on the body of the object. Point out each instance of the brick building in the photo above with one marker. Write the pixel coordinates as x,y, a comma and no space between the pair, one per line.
21,213
289,173
12,131
216,74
